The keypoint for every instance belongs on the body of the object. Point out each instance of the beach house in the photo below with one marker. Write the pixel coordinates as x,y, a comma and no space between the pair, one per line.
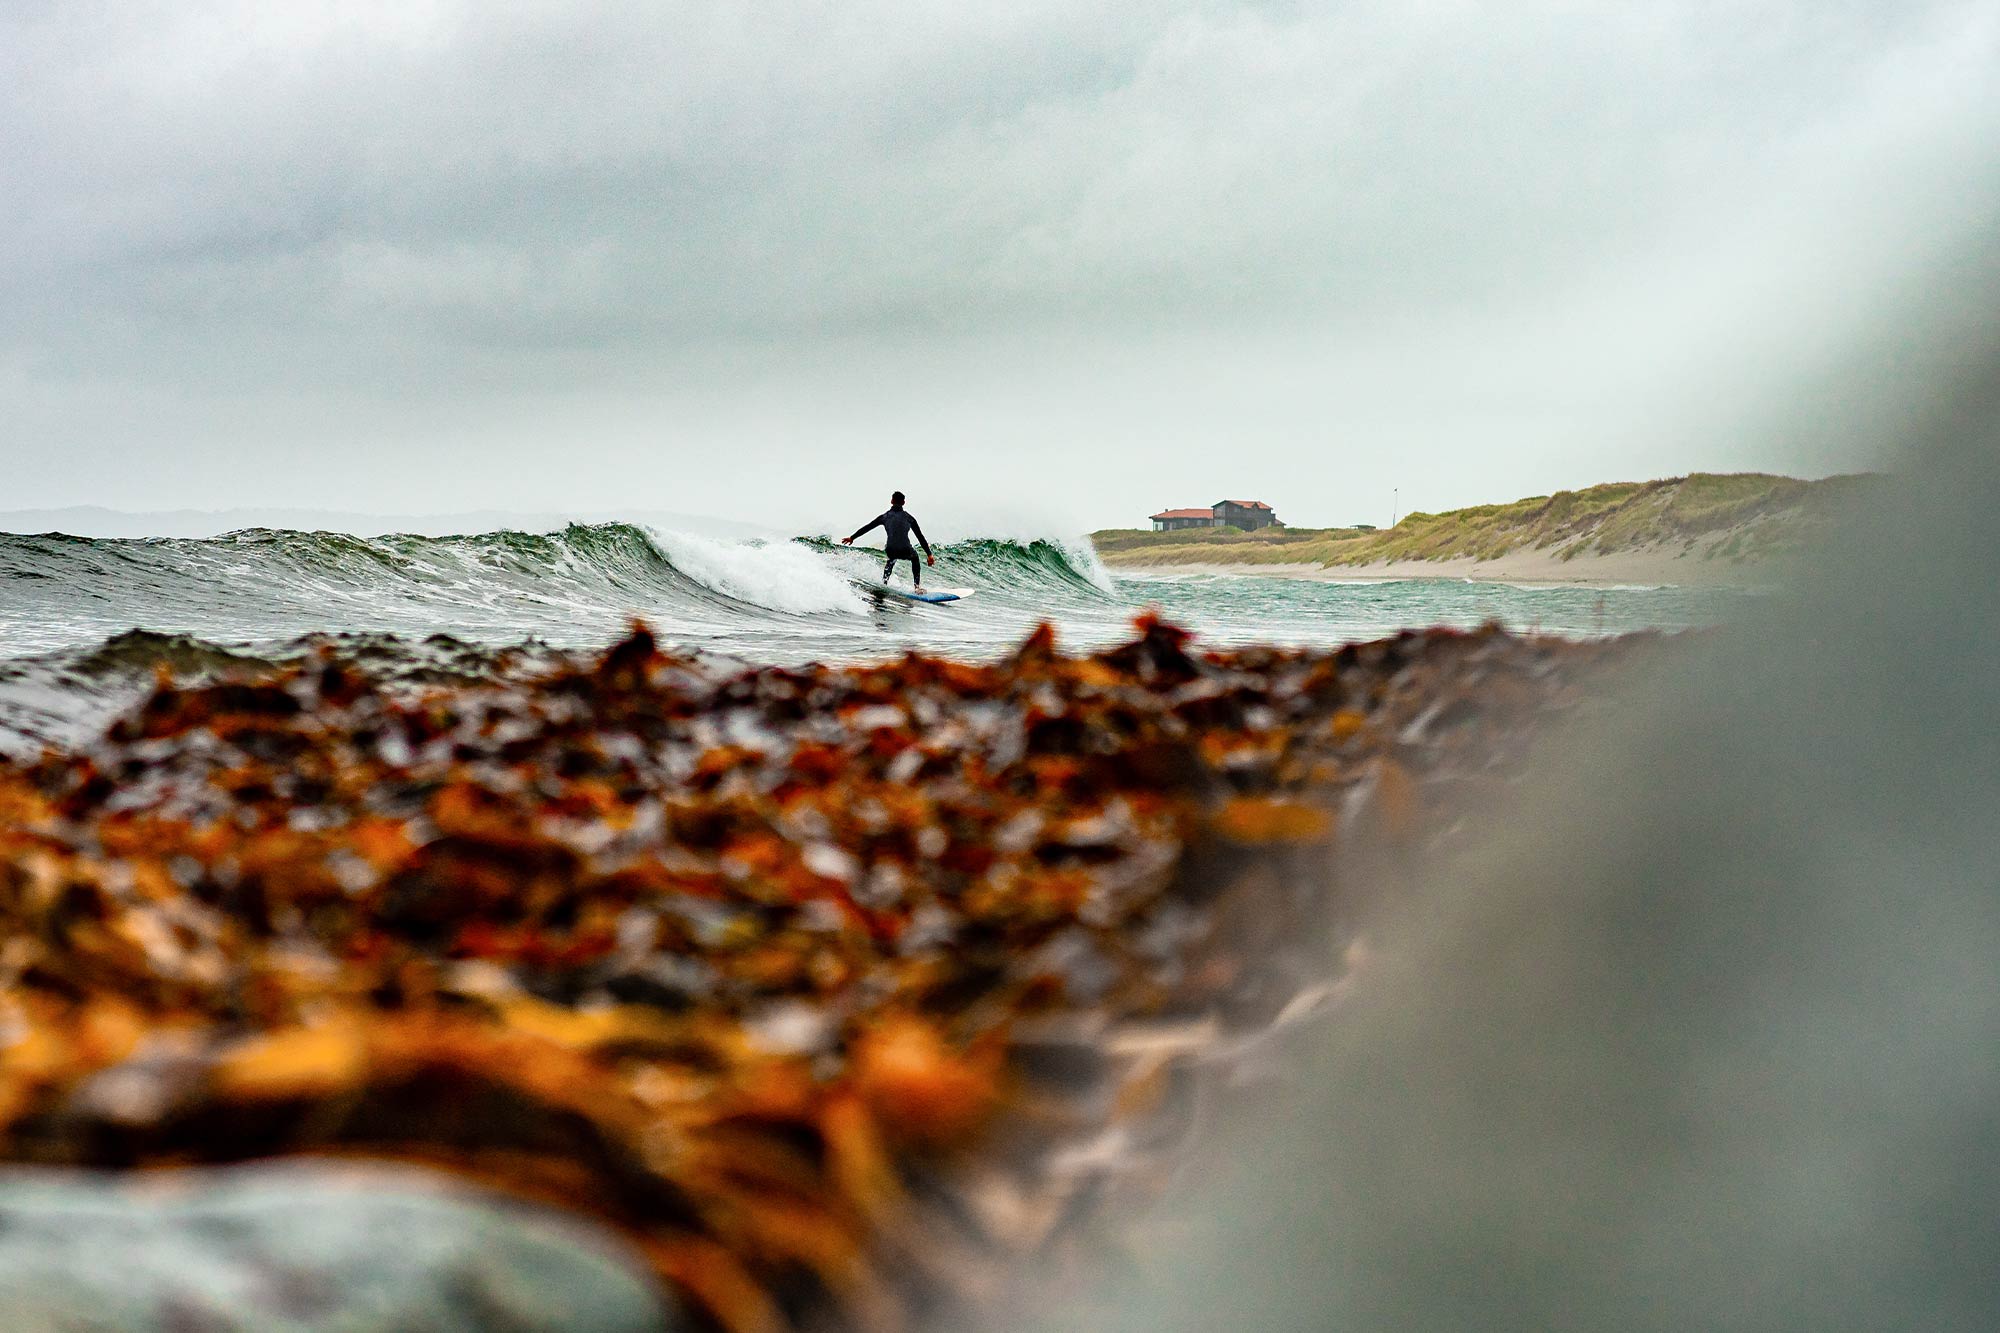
1247,515
1167,520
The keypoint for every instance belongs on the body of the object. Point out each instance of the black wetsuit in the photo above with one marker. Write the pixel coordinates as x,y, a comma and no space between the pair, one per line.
897,526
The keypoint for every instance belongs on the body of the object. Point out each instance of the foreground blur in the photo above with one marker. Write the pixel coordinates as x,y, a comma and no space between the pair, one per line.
1706,1040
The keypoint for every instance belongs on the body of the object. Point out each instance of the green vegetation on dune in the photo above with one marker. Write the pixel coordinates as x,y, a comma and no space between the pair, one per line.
1218,546
1728,516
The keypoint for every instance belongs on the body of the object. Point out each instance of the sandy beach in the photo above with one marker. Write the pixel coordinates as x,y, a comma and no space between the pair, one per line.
1652,566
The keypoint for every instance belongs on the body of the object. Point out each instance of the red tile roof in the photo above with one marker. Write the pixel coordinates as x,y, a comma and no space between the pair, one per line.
1244,504
1185,513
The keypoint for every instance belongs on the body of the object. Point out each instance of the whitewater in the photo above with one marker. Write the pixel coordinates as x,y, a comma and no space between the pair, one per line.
86,622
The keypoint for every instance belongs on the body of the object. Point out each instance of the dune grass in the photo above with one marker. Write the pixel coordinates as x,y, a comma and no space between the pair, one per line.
1730,516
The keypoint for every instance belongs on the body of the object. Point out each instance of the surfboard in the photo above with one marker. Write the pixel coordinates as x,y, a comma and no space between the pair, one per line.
932,595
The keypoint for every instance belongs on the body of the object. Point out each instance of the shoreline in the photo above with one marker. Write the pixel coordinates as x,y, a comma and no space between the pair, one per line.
1620,568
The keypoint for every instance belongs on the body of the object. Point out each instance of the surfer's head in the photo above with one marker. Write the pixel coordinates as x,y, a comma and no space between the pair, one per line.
896,498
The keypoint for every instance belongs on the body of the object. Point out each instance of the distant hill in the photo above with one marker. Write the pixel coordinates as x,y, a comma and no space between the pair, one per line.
1732,518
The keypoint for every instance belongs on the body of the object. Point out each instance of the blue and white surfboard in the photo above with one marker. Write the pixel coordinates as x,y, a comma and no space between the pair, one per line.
932,595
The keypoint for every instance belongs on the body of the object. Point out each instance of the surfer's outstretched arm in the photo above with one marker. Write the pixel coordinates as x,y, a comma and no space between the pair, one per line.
869,526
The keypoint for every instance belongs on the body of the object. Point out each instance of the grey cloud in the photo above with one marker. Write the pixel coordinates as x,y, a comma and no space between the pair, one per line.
380,202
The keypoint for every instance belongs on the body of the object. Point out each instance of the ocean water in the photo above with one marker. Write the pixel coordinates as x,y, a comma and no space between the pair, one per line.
69,606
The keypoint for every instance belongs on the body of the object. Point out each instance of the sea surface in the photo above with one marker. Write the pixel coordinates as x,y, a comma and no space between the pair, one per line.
86,622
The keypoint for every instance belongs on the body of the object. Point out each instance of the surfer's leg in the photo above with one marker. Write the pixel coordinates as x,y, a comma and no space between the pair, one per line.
888,568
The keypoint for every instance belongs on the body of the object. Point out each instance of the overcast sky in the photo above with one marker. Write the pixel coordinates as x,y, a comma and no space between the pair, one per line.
1039,264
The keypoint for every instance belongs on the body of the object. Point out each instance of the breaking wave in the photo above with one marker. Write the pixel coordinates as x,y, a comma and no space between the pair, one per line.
573,587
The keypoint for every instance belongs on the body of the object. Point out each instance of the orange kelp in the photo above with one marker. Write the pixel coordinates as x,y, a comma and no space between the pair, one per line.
833,989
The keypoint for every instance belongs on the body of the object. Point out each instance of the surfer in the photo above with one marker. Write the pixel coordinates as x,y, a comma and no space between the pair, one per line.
897,525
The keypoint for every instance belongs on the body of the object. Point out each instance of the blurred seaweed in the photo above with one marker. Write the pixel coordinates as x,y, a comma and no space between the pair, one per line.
838,991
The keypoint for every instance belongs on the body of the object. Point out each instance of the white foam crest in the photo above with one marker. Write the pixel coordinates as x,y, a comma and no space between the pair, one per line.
1083,556
782,575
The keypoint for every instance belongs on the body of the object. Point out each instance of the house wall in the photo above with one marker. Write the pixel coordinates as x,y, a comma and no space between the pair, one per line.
1236,516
